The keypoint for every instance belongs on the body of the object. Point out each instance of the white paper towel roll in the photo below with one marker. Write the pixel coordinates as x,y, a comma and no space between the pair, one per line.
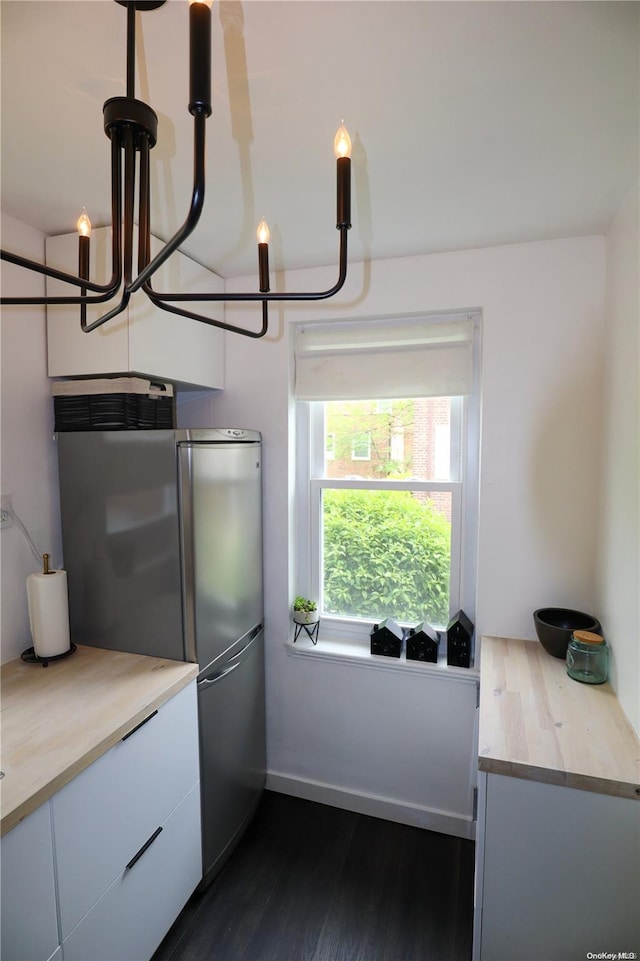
49,613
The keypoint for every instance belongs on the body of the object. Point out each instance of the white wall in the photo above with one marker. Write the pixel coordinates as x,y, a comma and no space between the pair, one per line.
619,550
543,310
28,467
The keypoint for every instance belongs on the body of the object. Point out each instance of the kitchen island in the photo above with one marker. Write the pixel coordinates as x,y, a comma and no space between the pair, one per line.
100,804
558,837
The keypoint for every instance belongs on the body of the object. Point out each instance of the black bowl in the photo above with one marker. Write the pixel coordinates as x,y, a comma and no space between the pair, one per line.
555,625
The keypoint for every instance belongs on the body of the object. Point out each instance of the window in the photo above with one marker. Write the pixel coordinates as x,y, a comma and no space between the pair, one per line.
329,446
385,543
361,446
397,445
393,537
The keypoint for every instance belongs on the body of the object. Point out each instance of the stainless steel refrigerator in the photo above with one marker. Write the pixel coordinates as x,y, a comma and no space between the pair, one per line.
162,541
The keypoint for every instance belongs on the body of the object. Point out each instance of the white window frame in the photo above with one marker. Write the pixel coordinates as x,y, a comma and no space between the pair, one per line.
312,483
464,485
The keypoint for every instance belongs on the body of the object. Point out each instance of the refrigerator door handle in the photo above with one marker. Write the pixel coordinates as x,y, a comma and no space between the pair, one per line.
209,681
236,658
250,636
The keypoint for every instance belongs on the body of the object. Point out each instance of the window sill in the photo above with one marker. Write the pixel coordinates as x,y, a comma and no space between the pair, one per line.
357,652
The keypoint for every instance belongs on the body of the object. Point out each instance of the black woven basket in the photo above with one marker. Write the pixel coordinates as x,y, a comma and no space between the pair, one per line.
113,412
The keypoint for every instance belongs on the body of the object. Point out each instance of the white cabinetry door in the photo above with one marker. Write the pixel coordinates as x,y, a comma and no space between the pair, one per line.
561,872
29,923
131,918
105,815
142,339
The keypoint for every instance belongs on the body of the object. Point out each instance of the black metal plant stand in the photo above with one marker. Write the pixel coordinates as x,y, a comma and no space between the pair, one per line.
311,631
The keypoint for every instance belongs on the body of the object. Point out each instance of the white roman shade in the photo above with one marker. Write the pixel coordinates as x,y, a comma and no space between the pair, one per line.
409,357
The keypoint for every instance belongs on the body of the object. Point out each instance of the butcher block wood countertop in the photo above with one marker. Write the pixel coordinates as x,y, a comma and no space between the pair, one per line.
56,721
539,724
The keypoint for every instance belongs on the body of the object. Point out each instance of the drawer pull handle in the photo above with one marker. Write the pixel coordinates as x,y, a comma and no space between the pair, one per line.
147,844
138,726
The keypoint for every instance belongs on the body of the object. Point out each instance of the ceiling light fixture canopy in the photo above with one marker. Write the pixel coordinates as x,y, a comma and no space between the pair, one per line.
131,126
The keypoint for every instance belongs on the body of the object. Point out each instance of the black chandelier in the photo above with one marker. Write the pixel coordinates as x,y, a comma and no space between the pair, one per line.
131,126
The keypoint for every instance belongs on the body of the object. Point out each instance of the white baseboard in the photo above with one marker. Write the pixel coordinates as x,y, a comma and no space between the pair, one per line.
379,807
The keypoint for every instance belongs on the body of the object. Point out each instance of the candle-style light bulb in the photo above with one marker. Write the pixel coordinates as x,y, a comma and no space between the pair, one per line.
342,150
84,224
342,142
84,243
262,232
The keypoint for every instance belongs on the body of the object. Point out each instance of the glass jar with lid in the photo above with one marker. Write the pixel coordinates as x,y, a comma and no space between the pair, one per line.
587,658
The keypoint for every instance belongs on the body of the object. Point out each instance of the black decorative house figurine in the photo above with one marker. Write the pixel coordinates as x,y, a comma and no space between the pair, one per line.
386,638
422,643
460,641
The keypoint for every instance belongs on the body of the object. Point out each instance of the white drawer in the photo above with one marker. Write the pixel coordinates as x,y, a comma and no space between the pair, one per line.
132,917
107,813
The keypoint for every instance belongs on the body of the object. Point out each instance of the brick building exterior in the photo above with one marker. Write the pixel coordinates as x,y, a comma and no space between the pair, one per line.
395,438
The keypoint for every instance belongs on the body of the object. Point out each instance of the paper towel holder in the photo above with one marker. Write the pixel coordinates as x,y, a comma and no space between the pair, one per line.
30,656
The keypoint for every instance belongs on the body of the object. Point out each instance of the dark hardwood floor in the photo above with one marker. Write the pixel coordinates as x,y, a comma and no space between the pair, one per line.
314,883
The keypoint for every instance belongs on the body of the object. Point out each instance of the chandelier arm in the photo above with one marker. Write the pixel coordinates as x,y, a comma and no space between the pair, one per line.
109,290
195,209
105,291
231,328
144,207
87,328
129,147
56,275
129,202
247,296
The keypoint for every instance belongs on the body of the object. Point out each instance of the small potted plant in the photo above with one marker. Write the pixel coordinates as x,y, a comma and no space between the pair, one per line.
305,611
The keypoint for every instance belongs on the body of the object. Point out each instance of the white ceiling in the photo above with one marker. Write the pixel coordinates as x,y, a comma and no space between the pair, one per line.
474,123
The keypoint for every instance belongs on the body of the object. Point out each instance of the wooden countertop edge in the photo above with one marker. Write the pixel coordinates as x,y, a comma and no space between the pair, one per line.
581,782
22,809
524,694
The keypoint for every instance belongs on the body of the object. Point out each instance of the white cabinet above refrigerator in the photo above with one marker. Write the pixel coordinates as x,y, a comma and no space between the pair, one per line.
142,339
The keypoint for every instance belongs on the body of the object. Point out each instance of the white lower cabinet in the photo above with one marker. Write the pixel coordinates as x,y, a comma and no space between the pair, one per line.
105,815
125,839
29,923
135,912
557,872
128,839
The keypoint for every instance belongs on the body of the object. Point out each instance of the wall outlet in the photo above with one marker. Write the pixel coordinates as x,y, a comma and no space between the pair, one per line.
6,511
